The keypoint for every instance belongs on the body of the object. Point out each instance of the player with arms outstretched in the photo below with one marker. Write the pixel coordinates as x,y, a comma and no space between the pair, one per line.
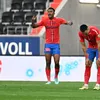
52,40
92,35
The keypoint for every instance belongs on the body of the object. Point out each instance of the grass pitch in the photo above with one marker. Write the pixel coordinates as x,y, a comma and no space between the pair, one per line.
41,91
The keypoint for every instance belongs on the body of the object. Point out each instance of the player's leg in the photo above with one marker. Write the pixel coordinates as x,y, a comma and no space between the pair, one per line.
87,74
48,69
57,67
91,56
97,86
56,55
48,56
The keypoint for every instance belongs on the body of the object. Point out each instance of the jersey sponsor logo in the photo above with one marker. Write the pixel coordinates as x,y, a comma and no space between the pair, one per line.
51,27
47,49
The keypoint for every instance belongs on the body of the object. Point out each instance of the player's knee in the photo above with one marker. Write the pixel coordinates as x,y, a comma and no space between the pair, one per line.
56,65
88,63
47,64
98,64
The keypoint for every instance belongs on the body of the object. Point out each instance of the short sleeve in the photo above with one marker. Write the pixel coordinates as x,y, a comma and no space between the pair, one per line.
81,38
41,23
62,21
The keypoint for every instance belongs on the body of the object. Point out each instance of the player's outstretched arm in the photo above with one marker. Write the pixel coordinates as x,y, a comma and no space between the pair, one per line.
69,23
65,22
34,24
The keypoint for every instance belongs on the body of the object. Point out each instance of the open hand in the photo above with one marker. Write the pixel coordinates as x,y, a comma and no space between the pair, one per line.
34,18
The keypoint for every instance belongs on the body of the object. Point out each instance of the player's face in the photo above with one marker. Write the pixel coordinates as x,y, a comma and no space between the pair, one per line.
50,13
86,32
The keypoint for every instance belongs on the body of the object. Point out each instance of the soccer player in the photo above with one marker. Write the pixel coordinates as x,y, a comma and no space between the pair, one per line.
92,35
52,40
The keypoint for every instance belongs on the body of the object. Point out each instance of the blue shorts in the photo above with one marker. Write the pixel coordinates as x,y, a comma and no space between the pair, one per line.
52,49
92,53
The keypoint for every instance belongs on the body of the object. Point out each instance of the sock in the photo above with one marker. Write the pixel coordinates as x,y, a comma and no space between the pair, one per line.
97,84
56,72
85,84
87,74
48,74
98,75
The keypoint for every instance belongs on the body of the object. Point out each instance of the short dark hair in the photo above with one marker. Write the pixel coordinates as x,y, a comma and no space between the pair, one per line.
51,8
83,27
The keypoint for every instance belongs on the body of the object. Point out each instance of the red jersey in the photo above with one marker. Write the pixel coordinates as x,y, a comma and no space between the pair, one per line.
92,37
52,29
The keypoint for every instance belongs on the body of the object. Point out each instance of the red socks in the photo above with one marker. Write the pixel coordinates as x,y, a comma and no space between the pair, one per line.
98,75
87,74
48,74
56,72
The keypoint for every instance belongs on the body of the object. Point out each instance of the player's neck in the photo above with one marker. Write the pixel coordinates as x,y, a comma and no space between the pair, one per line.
51,18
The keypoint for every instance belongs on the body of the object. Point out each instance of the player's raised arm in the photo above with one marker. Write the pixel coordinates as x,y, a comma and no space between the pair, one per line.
34,24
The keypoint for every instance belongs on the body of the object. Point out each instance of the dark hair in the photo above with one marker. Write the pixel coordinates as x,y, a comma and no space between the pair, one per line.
51,8
83,28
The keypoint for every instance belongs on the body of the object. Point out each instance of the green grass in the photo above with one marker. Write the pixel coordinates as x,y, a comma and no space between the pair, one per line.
40,91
